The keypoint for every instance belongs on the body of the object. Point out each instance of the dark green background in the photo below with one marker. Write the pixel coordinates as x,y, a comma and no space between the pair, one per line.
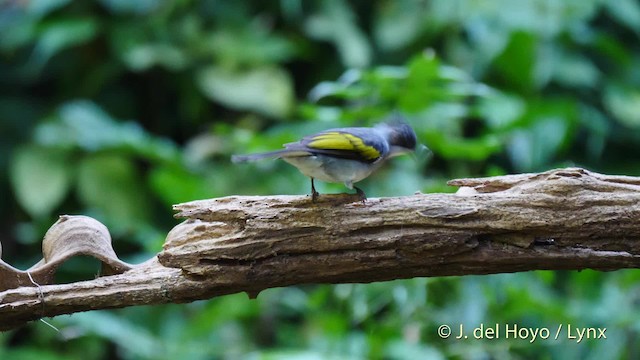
118,109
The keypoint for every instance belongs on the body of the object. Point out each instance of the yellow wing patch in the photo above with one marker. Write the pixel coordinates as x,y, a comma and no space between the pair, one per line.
343,141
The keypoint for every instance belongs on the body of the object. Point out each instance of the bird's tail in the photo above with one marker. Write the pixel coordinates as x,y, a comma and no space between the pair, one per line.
271,154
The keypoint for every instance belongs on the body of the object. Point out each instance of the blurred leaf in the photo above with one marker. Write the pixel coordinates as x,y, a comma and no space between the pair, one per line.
398,23
135,339
40,178
531,149
111,185
18,116
575,70
627,11
176,185
614,49
402,177
517,61
336,23
500,110
544,130
293,355
346,87
61,34
145,56
140,7
253,46
83,124
404,350
39,8
456,148
30,353
266,90
624,103
16,33
548,17
19,20
598,130
421,88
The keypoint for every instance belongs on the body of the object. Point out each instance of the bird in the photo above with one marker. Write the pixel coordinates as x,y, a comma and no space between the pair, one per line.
343,155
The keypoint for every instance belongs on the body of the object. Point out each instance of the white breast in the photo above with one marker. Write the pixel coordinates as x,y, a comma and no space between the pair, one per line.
330,169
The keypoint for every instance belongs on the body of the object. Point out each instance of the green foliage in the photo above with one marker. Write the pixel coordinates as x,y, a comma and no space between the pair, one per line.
40,178
491,87
266,90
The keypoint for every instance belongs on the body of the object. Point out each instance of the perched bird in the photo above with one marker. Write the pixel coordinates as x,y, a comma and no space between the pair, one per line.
345,155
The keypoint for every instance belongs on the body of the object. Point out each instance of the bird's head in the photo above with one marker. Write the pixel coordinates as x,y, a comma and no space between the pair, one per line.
401,137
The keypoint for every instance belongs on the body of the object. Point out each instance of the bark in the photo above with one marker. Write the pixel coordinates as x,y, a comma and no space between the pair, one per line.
561,219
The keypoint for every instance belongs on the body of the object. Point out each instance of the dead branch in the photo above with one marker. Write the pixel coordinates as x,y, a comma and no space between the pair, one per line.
561,219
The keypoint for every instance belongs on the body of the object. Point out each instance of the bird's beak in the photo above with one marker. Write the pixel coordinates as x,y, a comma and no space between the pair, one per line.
422,152
399,150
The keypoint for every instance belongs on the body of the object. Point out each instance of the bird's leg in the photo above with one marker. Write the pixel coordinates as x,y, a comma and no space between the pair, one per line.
361,193
314,193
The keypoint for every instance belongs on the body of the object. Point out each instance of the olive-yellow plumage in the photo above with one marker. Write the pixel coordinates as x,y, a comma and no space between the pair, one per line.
343,141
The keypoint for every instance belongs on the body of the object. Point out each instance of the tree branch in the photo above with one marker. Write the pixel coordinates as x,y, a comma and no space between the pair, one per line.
561,219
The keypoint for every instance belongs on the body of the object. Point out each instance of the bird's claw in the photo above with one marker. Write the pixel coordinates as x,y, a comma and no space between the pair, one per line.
361,194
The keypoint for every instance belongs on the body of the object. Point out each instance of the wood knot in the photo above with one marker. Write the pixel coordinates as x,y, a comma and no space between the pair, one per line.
193,230
568,173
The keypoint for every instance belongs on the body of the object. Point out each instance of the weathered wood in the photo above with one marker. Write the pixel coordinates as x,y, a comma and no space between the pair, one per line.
561,219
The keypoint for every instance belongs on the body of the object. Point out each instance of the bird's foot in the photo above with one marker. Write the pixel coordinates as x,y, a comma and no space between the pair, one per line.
314,193
361,194
314,196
